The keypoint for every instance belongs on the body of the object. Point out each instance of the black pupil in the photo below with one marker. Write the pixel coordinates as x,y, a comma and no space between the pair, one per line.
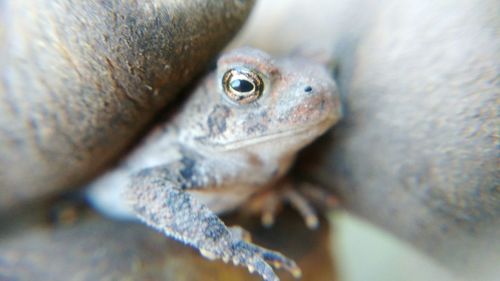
242,85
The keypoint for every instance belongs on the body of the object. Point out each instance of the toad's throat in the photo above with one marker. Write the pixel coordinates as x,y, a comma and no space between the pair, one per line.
296,133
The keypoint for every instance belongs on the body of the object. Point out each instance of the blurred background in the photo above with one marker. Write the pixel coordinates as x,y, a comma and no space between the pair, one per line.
365,252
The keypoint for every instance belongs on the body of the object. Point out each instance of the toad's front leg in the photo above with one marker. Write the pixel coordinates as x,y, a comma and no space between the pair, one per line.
160,200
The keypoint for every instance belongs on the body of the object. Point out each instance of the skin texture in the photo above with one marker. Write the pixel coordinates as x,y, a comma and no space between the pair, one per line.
80,80
217,152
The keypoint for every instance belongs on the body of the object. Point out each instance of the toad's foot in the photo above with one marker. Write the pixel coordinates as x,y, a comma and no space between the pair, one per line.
159,202
298,195
255,258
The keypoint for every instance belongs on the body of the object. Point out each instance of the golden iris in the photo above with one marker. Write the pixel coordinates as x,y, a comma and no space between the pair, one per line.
242,85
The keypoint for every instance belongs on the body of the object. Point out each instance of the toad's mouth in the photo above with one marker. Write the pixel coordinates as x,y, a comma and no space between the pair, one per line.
297,133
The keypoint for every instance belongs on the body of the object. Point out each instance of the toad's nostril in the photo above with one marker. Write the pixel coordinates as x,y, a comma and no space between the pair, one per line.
308,89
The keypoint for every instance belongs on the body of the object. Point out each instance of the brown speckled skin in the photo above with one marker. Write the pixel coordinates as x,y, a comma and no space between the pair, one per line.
79,80
217,152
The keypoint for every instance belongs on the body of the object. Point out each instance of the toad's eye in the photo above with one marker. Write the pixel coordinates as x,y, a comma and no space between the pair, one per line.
242,85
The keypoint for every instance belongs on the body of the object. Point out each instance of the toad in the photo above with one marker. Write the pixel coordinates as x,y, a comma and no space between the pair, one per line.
235,138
